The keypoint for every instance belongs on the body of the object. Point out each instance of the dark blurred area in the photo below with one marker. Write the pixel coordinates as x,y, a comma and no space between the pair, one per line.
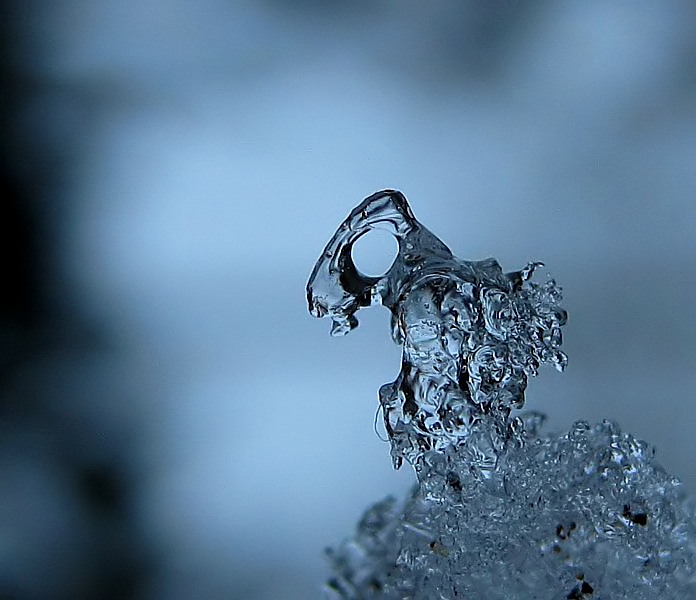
67,469
174,425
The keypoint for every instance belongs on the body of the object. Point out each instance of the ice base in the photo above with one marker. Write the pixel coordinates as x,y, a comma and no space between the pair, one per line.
585,515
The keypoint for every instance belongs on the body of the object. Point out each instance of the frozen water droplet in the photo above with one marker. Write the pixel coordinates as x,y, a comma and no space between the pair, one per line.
471,333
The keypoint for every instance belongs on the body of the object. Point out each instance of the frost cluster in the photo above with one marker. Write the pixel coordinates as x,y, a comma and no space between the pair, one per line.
498,511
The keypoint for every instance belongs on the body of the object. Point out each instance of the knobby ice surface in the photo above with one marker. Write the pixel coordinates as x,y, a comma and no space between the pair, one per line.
499,509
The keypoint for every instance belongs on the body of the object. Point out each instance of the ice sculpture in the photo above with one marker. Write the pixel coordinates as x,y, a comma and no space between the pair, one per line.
498,510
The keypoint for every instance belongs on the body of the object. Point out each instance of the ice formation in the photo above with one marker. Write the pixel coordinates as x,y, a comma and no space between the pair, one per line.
499,510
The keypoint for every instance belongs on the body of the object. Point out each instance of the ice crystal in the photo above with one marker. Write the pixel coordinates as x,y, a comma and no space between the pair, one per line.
499,510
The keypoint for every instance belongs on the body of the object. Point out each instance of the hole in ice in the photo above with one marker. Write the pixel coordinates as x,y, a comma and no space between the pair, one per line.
374,252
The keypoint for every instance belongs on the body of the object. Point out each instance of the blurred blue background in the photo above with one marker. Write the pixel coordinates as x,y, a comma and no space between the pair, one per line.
175,425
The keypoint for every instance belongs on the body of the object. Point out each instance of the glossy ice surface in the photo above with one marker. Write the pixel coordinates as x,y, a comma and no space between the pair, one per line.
498,511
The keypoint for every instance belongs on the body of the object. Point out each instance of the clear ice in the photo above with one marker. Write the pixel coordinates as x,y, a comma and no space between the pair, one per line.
499,510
